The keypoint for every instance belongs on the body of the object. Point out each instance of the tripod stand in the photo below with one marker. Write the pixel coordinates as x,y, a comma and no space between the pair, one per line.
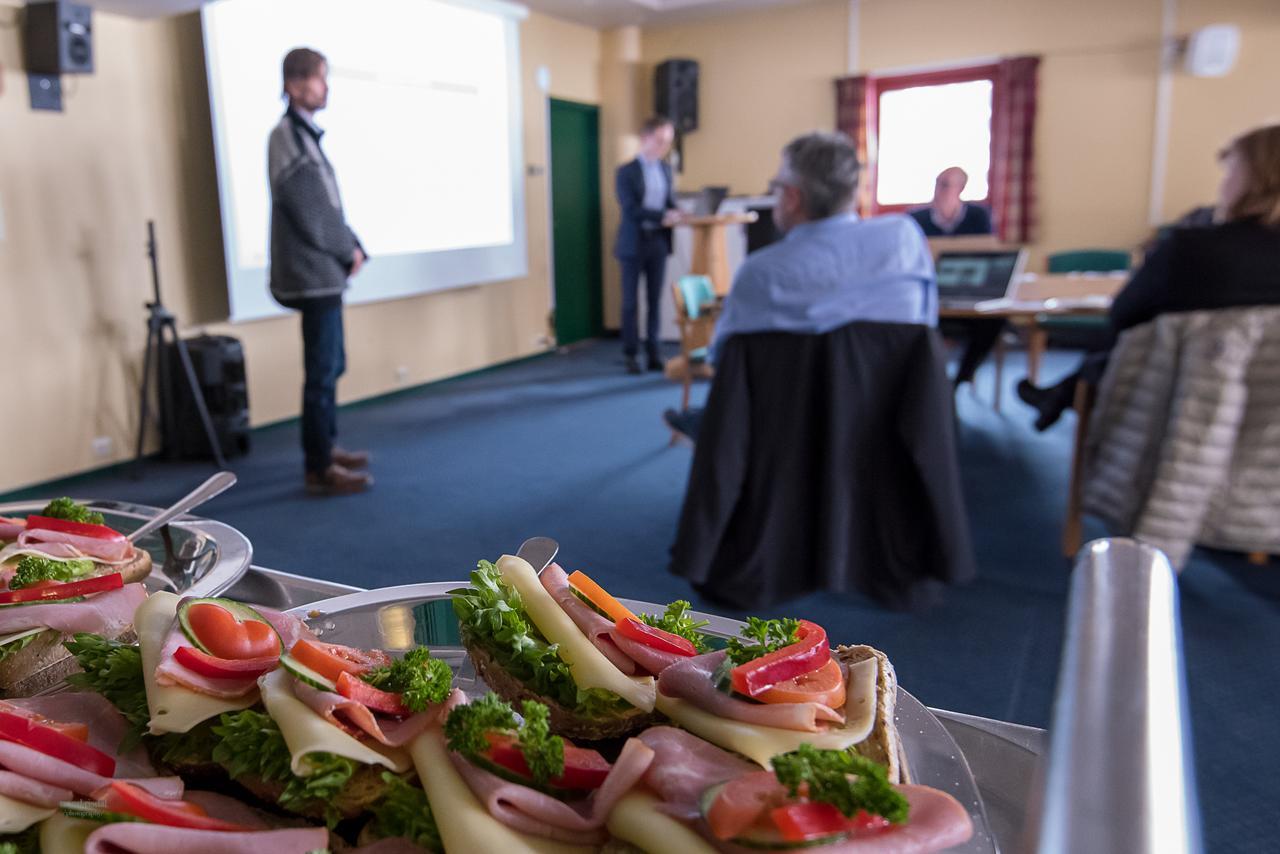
160,319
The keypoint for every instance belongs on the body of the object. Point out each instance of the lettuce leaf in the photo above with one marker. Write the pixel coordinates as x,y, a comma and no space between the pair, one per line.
114,670
405,812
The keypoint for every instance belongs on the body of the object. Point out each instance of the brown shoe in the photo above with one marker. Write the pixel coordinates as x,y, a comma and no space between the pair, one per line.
338,480
349,459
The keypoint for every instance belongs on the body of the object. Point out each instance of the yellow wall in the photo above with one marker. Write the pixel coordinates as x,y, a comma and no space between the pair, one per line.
134,143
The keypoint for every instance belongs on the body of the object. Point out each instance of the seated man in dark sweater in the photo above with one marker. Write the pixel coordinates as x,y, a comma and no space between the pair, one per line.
1233,263
947,216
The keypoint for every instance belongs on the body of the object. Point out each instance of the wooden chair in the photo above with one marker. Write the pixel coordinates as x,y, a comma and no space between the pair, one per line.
696,319
1073,525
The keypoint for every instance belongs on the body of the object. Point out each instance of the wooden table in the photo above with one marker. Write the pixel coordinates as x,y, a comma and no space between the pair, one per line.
710,252
1046,295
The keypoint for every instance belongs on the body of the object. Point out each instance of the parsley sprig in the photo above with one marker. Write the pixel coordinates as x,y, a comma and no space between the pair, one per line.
468,727
677,621
420,679
65,508
766,636
842,778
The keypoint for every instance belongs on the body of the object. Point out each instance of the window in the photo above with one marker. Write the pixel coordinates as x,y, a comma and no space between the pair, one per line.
923,123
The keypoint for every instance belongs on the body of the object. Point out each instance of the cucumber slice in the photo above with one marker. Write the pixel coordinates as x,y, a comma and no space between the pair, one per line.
512,777
765,838
92,811
306,675
242,612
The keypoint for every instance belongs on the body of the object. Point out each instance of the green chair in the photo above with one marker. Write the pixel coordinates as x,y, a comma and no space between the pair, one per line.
1081,332
691,295
1089,261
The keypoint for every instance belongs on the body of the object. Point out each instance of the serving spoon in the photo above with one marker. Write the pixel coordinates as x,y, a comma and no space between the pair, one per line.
214,486
538,552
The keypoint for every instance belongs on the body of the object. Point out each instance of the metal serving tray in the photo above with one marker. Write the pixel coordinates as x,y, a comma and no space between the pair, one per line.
191,555
399,618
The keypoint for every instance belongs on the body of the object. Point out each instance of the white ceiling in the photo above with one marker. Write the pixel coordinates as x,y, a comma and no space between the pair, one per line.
601,14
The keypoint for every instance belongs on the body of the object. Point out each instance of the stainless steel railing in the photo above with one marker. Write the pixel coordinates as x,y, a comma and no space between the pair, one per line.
1119,777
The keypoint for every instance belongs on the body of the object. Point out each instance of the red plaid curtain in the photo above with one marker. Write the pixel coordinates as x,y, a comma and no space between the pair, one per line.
1013,119
852,120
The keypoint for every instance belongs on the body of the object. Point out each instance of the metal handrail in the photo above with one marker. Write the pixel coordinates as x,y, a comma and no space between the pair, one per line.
1119,776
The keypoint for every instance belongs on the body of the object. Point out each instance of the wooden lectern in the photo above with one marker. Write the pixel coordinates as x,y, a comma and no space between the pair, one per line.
710,252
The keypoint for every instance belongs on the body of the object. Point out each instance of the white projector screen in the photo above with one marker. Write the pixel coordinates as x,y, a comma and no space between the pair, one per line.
423,127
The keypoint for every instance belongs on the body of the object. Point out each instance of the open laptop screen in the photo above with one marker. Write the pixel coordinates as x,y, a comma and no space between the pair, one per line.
978,275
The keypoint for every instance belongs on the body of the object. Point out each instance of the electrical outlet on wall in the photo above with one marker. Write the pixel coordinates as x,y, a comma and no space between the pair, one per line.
402,373
101,446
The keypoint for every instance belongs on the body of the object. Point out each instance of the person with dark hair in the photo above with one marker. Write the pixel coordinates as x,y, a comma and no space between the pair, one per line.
831,268
646,195
1235,262
313,254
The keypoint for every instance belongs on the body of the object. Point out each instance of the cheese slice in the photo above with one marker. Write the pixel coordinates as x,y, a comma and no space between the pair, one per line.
463,822
588,665
173,708
635,820
63,835
306,732
16,816
762,743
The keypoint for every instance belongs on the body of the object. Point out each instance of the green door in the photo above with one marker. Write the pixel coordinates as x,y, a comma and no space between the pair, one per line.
575,220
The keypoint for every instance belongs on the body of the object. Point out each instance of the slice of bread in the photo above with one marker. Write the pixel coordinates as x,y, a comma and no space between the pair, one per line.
883,745
44,663
564,721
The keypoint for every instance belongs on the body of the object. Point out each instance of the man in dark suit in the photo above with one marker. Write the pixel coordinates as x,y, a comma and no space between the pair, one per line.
646,194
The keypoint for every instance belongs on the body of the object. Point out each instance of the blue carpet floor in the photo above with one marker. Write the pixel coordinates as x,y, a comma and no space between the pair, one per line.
569,447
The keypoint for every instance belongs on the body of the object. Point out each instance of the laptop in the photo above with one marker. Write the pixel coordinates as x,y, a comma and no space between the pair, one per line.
708,201
968,278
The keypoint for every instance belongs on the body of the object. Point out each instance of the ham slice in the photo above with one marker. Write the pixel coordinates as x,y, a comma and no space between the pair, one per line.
594,626
135,838
530,811
691,679
170,672
106,614
107,727
46,769
30,791
10,527
652,660
348,714
107,551
684,766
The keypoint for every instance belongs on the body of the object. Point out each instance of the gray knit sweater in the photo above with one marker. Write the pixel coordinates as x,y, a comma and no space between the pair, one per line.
312,248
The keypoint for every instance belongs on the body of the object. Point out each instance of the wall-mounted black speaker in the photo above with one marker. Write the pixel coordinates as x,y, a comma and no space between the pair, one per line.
675,93
58,38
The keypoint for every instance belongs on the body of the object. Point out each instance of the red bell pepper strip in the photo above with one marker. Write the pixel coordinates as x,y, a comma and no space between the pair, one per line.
78,529
224,668
805,656
583,769
51,742
133,800
70,590
386,702
652,636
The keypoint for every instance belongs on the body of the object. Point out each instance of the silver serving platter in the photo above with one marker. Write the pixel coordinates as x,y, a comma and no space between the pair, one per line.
400,618
191,556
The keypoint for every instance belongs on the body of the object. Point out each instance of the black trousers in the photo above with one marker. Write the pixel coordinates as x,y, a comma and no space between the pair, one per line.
980,336
324,360
651,262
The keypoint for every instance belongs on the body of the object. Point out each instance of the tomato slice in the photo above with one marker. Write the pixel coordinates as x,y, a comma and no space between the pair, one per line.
331,660
224,668
804,656
227,637
49,741
807,820
386,702
742,801
78,529
597,596
70,590
824,685
129,799
583,769
659,639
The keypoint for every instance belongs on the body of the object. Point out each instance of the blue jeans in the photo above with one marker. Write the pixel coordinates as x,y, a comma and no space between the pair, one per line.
652,263
324,360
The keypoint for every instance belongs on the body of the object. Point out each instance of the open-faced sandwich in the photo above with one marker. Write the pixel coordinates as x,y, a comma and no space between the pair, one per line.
319,731
698,798
61,571
531,638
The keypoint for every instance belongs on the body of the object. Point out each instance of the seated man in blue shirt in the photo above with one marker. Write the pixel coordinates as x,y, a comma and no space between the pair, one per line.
831,268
